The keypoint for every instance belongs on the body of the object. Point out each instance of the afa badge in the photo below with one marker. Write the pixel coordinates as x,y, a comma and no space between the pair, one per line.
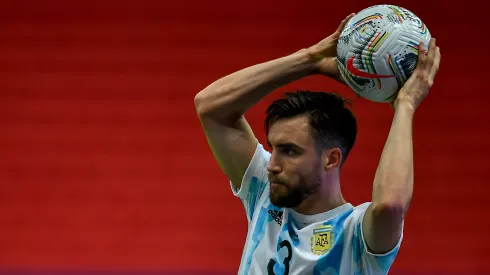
322,239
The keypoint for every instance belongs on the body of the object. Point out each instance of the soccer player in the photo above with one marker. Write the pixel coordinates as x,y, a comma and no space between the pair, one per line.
298,220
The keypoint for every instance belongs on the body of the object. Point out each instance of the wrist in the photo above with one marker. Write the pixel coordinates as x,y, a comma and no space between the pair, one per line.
307,61
404,105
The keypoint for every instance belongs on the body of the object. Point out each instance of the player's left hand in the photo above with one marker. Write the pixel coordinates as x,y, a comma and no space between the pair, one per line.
419,83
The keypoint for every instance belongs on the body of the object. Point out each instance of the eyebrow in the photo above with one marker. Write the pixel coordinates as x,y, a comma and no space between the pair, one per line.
286,144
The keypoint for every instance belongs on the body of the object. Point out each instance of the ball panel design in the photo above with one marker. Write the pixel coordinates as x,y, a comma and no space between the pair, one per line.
378,49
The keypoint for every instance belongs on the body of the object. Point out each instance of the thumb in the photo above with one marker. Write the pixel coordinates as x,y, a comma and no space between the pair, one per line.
344,23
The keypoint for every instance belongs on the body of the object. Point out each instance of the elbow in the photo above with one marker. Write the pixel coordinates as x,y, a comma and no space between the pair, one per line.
394,209
213,103
210,104
198,101
201,104
209,101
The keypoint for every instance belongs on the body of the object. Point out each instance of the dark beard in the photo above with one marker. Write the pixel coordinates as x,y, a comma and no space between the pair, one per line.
295,196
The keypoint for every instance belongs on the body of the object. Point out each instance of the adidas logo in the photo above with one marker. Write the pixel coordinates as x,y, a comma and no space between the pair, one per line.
276,215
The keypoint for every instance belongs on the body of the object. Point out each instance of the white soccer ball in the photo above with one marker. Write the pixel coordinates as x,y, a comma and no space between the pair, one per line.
378,49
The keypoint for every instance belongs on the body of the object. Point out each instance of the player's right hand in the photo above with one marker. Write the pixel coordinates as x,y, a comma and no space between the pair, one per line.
325,52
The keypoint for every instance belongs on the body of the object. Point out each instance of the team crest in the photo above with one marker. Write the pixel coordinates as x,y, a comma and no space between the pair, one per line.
322,239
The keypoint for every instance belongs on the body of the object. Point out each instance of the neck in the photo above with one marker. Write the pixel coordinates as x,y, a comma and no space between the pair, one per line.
327,197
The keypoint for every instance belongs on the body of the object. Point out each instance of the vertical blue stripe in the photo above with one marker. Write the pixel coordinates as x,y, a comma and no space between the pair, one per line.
255,191
290,230
287,233
330,262
258,233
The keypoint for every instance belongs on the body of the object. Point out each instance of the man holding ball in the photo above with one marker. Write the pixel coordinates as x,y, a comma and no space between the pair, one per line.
299,222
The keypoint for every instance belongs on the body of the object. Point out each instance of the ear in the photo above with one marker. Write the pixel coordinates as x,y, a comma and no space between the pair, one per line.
332,159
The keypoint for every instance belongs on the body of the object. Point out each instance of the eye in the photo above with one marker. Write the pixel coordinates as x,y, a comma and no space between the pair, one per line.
289,151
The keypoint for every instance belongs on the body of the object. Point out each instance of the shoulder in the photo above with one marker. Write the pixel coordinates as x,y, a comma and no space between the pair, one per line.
260,150
355,217
361,208
260,157
257,168
258,164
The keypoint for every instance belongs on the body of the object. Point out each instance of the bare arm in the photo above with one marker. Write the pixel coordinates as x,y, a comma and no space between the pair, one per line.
221,105
393,183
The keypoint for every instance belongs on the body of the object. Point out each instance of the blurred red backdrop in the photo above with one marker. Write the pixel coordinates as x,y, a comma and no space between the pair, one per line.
103,164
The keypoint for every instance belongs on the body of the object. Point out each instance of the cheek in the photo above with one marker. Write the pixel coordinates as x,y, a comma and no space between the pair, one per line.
308,175
299,176
302,170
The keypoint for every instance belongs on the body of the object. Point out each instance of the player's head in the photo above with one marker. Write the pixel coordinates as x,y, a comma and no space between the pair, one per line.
310,134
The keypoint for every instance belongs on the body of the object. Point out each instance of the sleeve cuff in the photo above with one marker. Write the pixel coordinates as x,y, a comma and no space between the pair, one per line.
368,252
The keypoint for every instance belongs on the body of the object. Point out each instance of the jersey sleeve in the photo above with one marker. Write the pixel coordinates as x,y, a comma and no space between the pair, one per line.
366,261
254,181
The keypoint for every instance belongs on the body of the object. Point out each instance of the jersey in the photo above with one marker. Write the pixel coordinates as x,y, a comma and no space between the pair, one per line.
282,241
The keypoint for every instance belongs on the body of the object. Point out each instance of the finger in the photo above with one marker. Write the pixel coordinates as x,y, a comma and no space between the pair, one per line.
421,56
435,64
432,46
432,52
344,23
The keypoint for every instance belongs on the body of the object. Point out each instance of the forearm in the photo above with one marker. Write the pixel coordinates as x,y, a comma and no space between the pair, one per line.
231,96
393,183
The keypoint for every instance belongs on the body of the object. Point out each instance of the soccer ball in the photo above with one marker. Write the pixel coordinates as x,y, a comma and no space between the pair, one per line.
377,51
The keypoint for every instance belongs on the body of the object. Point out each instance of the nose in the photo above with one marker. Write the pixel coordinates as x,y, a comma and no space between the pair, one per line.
273,166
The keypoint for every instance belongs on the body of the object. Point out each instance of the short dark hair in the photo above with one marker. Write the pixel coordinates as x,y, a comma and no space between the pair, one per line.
334,124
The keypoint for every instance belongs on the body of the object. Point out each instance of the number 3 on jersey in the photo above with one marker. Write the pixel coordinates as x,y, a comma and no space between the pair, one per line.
287,260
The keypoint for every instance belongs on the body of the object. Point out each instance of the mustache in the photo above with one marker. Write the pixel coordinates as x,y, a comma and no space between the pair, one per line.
276,179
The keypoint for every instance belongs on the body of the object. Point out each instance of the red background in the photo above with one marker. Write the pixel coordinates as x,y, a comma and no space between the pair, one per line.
103,164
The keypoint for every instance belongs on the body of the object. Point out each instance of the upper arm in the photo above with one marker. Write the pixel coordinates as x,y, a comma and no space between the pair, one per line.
372,253
233,146
382,228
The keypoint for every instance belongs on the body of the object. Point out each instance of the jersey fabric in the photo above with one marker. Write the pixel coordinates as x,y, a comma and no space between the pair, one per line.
282,241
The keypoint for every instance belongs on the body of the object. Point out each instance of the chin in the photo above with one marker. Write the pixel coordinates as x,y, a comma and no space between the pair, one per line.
284,201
